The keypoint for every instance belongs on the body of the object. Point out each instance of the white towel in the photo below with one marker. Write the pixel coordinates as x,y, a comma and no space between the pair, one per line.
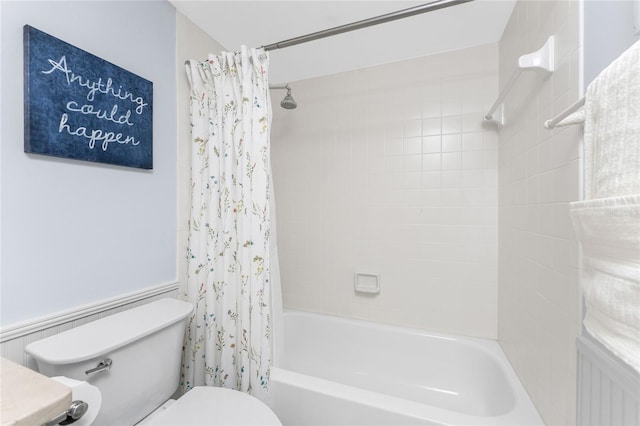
609,232
607,223
612,129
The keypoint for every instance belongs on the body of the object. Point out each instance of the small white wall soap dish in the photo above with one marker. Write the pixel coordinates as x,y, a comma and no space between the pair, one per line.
366,283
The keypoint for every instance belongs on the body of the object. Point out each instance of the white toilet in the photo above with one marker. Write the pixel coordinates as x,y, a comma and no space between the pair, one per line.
133,358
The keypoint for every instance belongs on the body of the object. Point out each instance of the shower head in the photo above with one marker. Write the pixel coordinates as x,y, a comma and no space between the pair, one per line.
288,102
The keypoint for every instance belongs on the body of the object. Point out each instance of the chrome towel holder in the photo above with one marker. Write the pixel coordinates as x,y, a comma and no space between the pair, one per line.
76,410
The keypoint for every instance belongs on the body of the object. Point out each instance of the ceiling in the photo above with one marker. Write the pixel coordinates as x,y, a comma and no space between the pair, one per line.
258,23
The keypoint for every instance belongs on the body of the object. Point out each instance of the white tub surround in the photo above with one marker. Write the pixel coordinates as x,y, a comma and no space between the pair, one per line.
342,371
538,318
389,170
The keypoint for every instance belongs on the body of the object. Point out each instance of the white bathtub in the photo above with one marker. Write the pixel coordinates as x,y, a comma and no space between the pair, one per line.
345,372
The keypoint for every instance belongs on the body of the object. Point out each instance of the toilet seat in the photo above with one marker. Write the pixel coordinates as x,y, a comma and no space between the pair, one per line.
205,405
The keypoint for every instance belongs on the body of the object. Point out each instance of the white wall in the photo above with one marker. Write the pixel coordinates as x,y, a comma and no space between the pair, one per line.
608,31
389,170
76,232
539,176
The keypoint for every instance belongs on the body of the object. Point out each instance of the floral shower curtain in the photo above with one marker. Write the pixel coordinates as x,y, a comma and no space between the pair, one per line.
228,339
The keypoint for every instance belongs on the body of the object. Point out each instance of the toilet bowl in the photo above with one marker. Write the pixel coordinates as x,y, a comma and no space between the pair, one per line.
213,406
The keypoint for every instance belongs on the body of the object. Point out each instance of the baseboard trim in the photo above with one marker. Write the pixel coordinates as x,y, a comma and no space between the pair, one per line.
41,323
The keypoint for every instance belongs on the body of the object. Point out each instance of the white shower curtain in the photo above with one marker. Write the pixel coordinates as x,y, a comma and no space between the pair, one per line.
228,339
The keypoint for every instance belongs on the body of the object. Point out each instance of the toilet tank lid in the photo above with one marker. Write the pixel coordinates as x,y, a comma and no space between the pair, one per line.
102,336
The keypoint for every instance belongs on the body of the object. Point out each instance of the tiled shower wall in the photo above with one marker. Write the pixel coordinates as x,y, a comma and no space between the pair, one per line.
390,170
539,175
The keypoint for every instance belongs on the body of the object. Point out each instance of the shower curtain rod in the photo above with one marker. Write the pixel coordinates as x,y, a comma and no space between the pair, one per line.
381,19
400,14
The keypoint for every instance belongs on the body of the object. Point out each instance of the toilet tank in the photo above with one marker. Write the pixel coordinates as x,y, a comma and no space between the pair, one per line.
145,347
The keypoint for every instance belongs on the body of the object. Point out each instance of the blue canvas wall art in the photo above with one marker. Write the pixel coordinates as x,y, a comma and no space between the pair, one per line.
80,106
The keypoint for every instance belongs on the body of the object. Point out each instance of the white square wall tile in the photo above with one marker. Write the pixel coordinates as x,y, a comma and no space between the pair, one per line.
376,164
431,102
393,129
451,143
451,105
412,180
472,178
472,141
431,144
411,128
412,163
472,122
431,126
491,140
393,163
452,161
431,179
472,160
490,160
430,197
451,124
451,197
412,145
472,102
393,146
473,197
451,179
431,162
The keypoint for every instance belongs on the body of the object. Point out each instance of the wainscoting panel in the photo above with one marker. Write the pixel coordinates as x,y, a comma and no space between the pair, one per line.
608,389
13,339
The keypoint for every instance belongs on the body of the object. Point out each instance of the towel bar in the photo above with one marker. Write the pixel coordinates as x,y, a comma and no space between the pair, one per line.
550,124
543,58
